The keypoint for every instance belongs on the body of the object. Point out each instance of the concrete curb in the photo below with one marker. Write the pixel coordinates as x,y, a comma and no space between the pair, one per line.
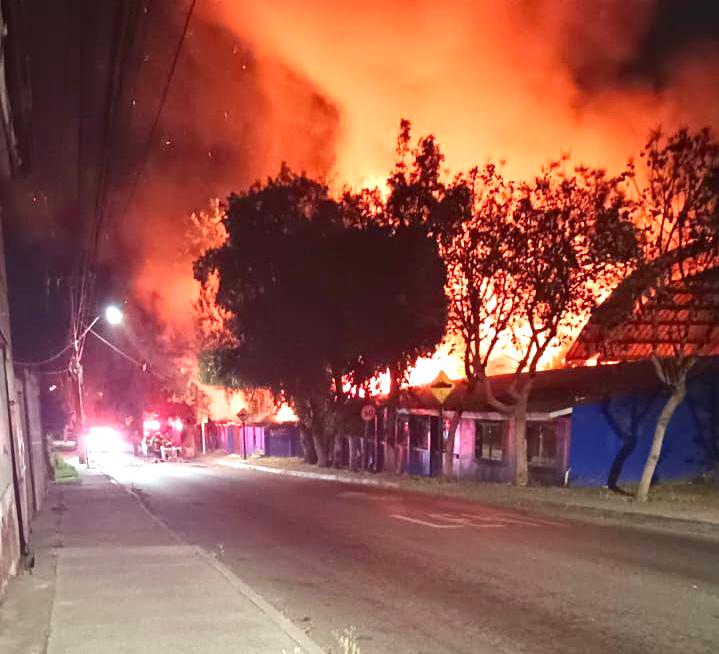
307,645
325,476
637,519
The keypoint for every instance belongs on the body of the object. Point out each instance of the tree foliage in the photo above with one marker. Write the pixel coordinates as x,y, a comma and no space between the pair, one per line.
319,303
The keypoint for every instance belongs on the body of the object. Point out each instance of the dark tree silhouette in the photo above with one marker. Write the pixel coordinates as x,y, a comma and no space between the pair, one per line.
319,303
417,199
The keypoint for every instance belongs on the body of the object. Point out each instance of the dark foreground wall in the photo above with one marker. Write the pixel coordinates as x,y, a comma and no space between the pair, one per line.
599,430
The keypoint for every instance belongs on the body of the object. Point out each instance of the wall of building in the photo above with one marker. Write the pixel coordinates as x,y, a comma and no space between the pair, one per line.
688,444
15,500
9,524
468,467
34,434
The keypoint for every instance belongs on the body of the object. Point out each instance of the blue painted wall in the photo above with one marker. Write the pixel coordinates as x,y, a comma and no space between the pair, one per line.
687,446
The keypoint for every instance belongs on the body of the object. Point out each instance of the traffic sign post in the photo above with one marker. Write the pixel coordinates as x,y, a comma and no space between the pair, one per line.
243,414
368,412
441,388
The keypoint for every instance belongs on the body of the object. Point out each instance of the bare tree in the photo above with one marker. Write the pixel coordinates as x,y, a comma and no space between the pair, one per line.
481,290
573,237
674,296
528,267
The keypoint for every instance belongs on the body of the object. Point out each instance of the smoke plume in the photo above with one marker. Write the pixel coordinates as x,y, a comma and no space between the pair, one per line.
323,84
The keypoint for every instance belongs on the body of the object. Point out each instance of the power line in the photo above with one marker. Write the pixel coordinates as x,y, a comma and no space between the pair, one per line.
143,366
116,349
127,23
124,21
54,357
54,372
156,120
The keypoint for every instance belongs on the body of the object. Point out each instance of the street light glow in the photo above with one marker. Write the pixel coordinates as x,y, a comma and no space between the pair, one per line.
113,315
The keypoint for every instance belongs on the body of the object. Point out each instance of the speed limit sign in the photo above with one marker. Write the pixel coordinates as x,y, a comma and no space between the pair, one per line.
368,412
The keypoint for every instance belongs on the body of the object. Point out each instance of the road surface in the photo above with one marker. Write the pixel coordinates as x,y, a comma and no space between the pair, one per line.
423,575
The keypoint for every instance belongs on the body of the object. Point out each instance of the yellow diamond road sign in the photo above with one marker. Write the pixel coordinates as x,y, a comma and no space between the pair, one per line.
441,387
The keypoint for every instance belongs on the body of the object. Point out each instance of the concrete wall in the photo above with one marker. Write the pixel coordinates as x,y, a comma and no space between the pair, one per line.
469,467
9,525
692,433
34,434
14,498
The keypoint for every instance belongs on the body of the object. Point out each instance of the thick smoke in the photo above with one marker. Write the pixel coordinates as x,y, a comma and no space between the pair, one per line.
223,126
323,84
515,80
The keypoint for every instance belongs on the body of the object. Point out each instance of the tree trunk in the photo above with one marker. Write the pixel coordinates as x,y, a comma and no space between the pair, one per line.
629,444
521,468
679,390
448,456
336,447
308,446
390,425
353,453
322,447
628,438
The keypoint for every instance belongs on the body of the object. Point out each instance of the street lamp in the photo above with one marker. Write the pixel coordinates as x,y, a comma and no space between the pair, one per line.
113,316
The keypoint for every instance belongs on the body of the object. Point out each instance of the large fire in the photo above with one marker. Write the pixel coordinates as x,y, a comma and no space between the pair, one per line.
225,405
516,82
500,80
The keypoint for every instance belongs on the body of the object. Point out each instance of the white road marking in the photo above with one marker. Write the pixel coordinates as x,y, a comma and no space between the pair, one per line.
417,521
474,521
467,520
534,522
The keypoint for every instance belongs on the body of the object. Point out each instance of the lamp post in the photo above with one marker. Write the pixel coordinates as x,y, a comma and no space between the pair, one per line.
113,316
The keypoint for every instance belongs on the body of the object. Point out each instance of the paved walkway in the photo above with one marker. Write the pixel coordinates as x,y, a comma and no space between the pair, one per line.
111,578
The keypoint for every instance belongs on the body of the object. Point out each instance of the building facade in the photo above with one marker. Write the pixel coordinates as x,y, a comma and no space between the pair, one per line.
17,499
590,426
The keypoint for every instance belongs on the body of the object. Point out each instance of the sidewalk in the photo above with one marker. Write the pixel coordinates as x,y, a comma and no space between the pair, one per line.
688,506
111,578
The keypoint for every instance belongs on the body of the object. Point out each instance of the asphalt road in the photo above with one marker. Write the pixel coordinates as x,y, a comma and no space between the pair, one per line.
432,575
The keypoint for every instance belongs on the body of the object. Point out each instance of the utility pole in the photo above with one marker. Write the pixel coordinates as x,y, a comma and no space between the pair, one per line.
76,372
113,315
